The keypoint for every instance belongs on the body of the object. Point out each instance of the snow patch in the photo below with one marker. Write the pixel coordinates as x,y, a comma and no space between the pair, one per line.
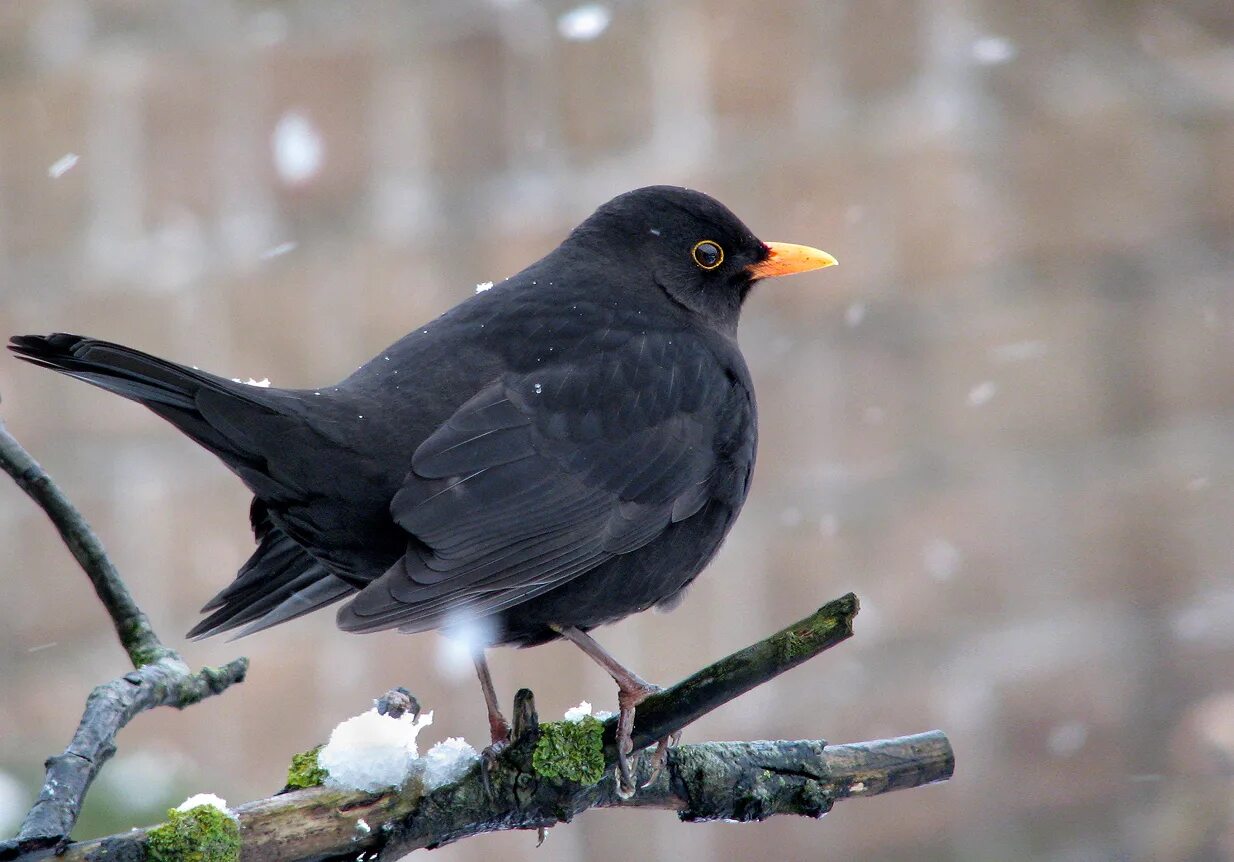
448,761
578,713
208,799
483,286
372,751
263,383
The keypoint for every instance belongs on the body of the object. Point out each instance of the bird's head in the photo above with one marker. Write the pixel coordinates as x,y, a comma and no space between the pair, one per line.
694,248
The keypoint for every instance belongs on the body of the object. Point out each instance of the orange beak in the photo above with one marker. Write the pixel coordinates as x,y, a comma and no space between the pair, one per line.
784,258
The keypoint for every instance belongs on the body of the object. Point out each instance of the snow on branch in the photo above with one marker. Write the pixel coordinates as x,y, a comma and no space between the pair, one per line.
533,784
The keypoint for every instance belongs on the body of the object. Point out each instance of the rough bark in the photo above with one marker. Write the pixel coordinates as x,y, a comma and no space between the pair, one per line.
740,781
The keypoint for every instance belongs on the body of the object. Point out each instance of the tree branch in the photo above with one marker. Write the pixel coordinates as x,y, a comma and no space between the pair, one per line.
160,676
715,780
132,626
741,781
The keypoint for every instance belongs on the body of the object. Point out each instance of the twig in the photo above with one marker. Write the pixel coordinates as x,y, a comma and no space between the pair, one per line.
667,712
132,626
160,677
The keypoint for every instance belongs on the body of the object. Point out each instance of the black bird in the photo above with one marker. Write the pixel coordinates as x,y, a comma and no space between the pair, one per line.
553,454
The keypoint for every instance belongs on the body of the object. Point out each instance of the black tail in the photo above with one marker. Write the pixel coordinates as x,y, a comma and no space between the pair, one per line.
181,395
240,424
279,583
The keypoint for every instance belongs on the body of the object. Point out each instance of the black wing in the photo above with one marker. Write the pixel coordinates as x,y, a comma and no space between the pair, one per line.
542,476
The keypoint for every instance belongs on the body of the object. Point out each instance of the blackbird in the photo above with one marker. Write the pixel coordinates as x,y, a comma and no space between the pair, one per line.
552,454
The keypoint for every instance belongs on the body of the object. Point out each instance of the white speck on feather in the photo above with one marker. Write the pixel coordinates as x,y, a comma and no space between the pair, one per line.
578,713
982,393
207,799
993,50
655,231
297,148
539,388
263,383
62,165
483,286
372,751
584,23
448,761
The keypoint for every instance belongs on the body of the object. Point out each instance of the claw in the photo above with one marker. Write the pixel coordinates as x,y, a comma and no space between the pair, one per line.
660,758
488,759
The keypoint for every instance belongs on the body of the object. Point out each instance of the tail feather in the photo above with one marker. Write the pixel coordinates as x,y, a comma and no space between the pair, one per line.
118,369
280,582
240,424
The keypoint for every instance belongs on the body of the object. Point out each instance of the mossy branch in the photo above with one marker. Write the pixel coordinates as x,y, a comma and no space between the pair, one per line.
160,676
546,776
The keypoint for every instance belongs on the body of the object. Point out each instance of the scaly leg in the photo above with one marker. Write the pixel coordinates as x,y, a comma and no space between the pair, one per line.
499,728
631,691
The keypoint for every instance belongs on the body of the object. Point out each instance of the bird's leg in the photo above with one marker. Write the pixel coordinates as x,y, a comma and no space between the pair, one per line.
499,728
632,690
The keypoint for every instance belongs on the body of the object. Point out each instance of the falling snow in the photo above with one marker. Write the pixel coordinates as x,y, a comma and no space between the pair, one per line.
297,148
278,250
993,50
982,393
854,314
584,23
62,165
1019,351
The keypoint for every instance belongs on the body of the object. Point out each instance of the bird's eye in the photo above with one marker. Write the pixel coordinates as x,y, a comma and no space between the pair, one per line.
707,254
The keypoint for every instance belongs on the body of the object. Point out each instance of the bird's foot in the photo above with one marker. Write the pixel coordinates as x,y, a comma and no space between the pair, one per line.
499,731
629,696
660,757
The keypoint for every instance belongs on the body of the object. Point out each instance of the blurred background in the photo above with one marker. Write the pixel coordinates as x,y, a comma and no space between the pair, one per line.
1005,420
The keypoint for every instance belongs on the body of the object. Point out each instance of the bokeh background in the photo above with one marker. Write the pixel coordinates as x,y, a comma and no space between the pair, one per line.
1005,420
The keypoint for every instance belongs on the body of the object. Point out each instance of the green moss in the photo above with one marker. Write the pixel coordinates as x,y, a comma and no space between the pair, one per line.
571,751
201,834
305,771
792,645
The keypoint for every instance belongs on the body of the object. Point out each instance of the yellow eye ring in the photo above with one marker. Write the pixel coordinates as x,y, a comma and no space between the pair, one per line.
707,254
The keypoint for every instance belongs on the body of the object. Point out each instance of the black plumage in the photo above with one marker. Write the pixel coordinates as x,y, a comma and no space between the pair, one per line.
557,452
